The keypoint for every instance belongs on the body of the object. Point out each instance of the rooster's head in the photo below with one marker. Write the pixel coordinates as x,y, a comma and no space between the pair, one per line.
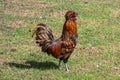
71,15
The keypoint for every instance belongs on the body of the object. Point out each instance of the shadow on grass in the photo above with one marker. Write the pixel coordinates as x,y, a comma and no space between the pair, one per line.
34,64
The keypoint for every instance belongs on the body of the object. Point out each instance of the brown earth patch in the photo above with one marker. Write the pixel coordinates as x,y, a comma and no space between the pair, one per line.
94,51
117,13
17,24
30,3
115,47
115,71
22,12
58,13
57,32
3,60
89,22
86,67
21,9
82,68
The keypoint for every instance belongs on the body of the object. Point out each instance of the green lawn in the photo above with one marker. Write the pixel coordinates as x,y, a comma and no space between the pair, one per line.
96,57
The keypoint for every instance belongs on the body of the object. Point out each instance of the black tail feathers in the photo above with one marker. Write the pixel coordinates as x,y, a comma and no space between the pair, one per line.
43,34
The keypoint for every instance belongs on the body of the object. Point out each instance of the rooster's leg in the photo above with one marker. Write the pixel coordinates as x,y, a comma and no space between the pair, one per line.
66,67
65,62
60,64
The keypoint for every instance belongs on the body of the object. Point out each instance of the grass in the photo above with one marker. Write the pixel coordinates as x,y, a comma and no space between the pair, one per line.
96,57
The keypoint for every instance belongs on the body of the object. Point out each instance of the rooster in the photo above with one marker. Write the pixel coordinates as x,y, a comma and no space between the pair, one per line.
59,48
